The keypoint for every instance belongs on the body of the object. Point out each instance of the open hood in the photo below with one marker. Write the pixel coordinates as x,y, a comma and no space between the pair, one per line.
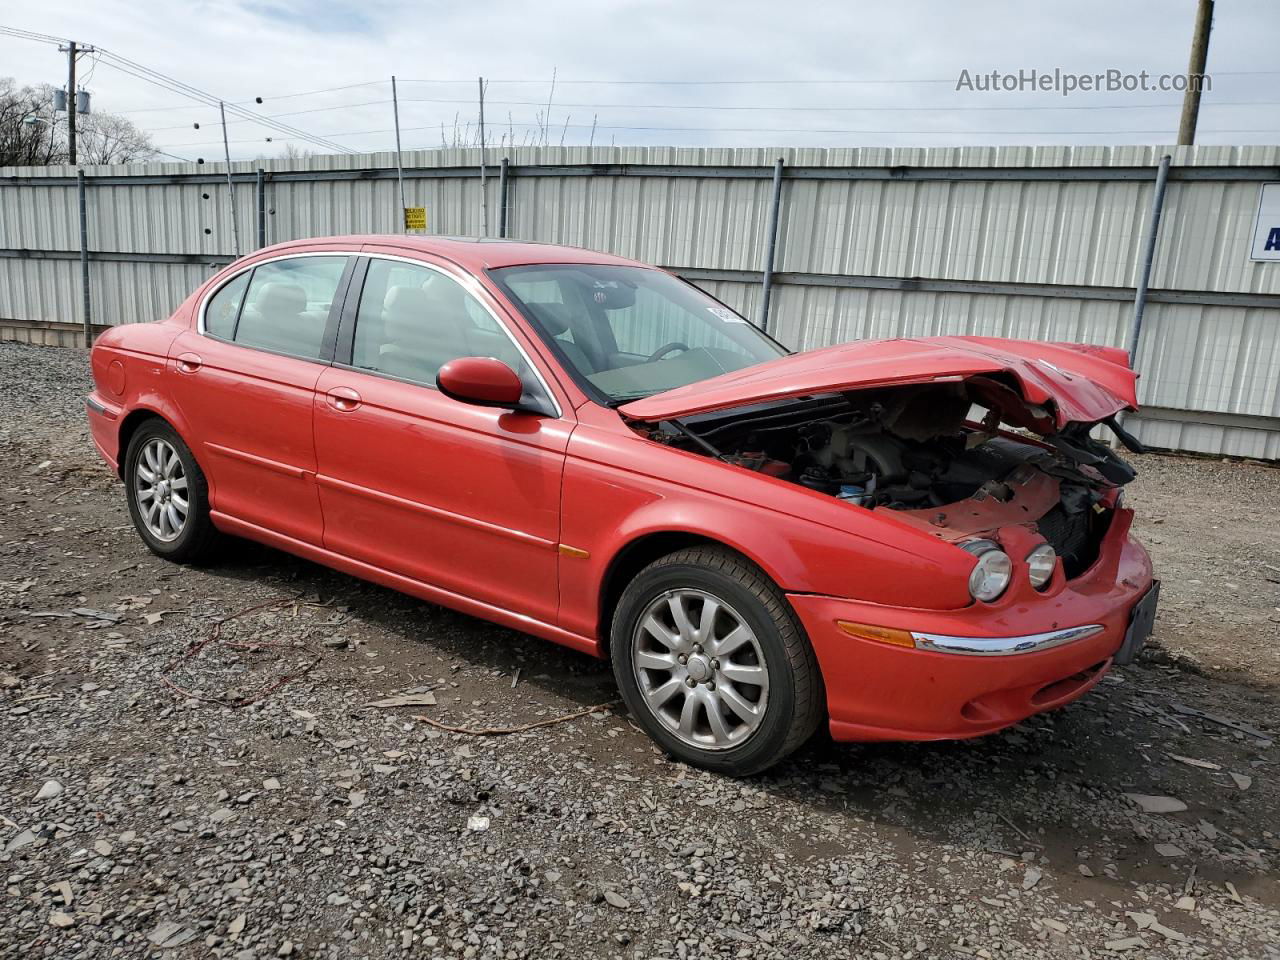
1057,383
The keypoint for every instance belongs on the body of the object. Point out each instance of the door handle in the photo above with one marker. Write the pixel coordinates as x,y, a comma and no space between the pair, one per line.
343,398
189,362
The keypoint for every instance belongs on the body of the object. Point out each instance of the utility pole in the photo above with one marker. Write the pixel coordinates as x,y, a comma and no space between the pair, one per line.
1195,74
484,197
231,190
395,109
72,50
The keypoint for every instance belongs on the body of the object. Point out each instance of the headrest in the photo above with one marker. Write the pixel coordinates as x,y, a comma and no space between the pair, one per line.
554,317
281,298
405,301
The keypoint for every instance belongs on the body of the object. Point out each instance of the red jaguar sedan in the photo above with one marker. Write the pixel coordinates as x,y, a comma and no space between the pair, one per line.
905,539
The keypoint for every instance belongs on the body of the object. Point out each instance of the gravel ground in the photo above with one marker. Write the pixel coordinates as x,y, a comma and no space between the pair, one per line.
138,820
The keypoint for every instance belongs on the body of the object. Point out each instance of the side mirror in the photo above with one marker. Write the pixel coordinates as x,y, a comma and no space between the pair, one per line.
480,380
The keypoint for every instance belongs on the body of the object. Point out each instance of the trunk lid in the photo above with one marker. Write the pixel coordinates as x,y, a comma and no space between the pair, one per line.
1070,383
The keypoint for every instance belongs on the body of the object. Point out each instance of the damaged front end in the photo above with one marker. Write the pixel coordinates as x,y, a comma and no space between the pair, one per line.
960,457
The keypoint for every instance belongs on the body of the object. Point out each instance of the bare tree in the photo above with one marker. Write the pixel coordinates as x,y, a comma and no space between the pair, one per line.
110,138
32,134
26,136
293,152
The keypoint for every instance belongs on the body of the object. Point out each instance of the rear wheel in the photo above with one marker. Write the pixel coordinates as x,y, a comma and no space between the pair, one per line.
168,495
713,664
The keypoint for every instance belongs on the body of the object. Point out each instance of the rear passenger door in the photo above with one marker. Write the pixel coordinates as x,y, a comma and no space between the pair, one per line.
244,381
461,497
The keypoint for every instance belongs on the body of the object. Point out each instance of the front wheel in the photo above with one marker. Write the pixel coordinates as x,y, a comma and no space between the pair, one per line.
713,664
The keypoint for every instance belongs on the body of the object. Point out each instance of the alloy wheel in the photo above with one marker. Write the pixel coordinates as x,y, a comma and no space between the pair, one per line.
160,487
700,668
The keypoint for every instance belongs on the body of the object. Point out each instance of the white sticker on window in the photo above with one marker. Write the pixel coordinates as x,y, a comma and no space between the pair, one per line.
725,314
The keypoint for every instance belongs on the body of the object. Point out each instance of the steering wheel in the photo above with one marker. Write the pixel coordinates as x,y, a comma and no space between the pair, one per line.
665,349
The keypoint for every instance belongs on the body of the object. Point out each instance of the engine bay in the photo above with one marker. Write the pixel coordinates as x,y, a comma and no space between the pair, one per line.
921,449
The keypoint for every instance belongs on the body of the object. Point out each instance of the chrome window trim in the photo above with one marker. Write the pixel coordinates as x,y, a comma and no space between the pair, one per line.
1004,646
249,267
472,286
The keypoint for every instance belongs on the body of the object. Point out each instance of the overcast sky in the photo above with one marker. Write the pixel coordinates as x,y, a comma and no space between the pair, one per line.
886,73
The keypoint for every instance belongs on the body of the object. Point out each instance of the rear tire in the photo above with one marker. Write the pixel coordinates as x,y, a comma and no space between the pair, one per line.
713,664
168,495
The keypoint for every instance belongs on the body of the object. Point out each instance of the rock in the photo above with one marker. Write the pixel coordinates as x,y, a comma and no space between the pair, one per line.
616,900
236,926
335,643
102,847
1127,943
1170,850
51,789
1153,804
271,784
1031,877
60,919
23,839
424,699
1243,781
168,934
477,823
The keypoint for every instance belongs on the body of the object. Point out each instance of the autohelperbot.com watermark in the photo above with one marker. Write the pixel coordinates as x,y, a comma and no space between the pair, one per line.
1065,82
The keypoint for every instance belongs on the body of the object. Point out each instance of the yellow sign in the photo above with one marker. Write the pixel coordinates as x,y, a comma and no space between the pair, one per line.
415,218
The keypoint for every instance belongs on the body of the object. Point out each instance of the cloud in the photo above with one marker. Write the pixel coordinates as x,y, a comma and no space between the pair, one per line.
242,50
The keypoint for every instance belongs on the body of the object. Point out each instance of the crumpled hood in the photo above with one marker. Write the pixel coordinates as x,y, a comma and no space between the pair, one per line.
1070,382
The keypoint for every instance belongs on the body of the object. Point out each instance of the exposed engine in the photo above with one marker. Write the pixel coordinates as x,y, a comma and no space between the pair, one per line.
921,448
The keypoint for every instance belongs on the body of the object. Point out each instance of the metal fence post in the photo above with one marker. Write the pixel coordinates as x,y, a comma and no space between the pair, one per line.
262,208
1144,279
771,246
84,258
503,173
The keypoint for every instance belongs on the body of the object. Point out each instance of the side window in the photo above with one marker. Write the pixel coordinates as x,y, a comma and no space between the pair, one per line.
224,306
413,320
288,303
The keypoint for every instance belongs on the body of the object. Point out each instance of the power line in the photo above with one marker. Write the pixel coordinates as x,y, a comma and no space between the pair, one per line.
937,132
841,81
30,35
155,77
141,72
793,108
248,100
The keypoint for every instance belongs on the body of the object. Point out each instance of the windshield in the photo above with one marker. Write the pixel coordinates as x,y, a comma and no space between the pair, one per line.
629,332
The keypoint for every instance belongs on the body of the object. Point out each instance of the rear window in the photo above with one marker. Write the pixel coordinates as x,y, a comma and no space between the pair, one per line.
286,308
224,307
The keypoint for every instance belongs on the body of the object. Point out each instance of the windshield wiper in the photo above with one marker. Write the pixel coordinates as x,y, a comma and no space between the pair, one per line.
619,399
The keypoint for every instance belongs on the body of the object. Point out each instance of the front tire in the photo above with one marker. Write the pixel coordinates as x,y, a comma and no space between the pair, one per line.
168,495
713,664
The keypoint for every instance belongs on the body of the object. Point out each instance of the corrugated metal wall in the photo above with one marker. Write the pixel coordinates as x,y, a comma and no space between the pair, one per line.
1210,363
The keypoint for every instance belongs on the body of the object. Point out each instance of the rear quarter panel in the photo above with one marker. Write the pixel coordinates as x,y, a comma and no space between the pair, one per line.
128,364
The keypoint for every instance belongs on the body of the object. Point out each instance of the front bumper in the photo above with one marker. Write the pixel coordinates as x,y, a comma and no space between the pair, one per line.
981,668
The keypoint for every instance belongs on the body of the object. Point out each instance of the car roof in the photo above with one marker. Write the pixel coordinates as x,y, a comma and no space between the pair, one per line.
469,252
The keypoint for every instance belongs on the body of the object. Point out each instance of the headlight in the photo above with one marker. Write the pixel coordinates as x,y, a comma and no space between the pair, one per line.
1040,564
991,576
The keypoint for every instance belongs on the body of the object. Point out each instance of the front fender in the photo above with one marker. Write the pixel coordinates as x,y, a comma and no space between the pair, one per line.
608,507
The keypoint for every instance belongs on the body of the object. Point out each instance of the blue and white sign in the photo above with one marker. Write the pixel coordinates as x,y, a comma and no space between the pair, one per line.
1266,229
